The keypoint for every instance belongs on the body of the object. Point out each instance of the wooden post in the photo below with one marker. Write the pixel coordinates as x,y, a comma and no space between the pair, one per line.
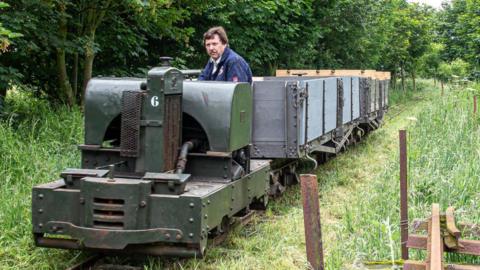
311,219
435,241
474,105
402,134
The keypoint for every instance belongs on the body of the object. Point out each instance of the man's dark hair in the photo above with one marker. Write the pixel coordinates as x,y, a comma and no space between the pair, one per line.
217,30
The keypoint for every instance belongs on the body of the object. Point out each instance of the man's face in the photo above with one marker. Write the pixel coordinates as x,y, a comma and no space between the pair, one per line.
215,47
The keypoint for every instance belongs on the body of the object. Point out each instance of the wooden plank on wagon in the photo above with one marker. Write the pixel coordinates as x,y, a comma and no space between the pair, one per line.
327,72
383,75
435,241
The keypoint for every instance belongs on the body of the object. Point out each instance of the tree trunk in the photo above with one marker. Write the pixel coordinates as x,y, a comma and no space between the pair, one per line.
441,82
402,71
93,17
3,92
65,88
413,80
393,81
75,75
87,67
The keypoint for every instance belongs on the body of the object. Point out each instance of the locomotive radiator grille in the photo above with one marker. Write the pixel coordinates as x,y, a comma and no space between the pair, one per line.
172,130
108,213
130,130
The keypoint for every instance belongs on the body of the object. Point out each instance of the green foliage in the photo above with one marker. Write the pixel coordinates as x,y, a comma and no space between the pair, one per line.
5,34
459,30
409,31
431,60
122,38
456,69
460,68
444,71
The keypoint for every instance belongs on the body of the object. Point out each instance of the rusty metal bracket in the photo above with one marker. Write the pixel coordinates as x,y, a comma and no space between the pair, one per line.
114,239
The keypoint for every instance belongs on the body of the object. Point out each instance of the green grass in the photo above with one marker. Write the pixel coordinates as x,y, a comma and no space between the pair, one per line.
359,189
36,143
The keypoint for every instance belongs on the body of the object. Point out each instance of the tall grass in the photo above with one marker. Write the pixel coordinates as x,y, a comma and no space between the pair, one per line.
37,141
443,152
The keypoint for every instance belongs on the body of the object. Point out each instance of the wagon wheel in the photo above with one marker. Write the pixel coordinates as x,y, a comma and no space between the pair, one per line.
290,175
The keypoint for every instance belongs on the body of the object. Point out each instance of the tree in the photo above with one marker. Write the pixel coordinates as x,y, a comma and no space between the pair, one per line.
7,73
459,30
5,34
71,43
431,60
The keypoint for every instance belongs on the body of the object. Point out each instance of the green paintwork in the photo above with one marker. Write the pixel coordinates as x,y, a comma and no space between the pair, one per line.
223,109
183,219
167,183
103,103
161,81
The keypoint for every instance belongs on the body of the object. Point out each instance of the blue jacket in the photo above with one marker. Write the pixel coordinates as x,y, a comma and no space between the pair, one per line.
232,67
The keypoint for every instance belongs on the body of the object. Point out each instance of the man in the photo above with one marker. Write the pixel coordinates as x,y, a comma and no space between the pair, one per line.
224,63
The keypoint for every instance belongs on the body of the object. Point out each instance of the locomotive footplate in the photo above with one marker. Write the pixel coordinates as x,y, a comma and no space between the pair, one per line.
111,214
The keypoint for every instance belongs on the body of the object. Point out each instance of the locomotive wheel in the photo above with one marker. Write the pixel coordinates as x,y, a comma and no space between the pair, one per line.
260,203
221,229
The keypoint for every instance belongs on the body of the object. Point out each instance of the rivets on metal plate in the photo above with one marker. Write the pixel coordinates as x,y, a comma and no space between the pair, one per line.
167,236
82,200
40,225
190,235
192,205
190,220
143,203
40,210
208,201
206,216
179,236
40,196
